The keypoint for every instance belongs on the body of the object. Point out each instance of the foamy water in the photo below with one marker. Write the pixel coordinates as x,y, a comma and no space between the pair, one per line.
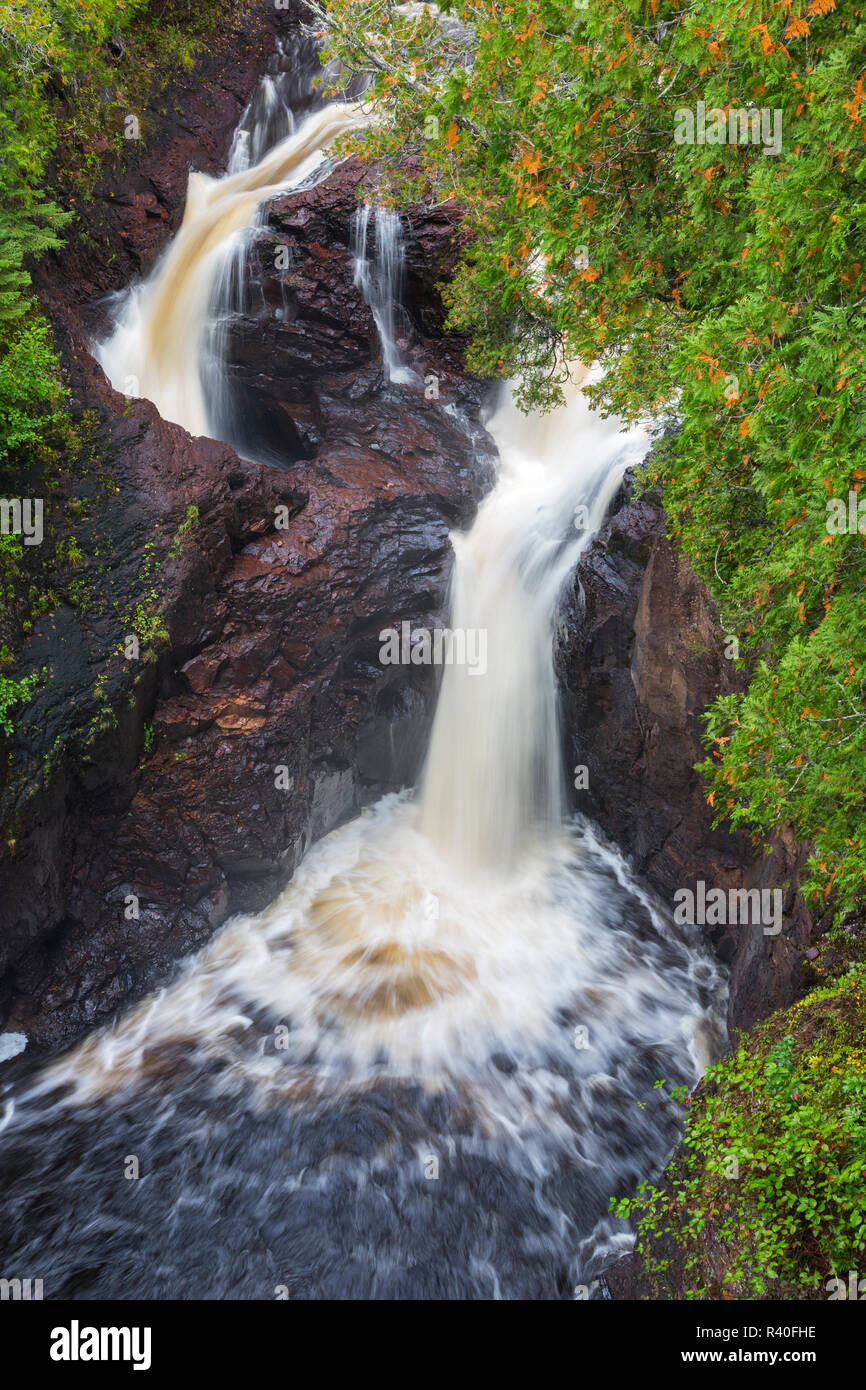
493,780
414,1083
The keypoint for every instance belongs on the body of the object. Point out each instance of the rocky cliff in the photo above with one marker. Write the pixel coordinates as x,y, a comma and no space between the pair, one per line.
148,795
641,655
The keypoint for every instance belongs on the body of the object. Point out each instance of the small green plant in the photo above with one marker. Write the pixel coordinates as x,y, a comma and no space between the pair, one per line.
189,524
148,623
11,548
70,552
767,1195
12,693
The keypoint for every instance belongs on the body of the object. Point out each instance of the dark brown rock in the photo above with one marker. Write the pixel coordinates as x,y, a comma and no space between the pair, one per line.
641,657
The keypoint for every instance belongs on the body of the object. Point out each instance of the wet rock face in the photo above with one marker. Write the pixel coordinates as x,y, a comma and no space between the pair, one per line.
640,657
139,200
147,799
306,346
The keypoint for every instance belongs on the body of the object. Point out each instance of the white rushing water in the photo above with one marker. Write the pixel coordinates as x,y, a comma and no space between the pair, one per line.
166,345
380,281
267,120
492,779
468,948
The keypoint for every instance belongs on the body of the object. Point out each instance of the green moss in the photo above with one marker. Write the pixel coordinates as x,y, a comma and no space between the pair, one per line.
146,618
149,626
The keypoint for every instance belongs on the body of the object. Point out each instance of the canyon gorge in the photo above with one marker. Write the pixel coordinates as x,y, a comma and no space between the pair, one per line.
298,928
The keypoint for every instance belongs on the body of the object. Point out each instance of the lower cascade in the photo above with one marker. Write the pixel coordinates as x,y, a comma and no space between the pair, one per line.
426,1067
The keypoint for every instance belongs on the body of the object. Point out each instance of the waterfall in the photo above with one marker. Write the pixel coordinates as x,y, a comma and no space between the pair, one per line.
492,776
167,344
380,282
267,120
424,1068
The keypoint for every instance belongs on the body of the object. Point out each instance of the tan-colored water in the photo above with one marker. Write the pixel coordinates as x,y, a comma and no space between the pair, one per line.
158,344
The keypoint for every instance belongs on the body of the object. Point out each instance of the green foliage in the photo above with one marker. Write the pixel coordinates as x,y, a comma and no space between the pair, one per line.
147,619
69,70
188,525
30,392
44,45
13,692
149,625
721,285
767,1198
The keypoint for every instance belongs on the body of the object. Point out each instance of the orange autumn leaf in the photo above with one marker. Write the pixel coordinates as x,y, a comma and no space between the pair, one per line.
744,427
853,107
798,29
766,42
452,135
